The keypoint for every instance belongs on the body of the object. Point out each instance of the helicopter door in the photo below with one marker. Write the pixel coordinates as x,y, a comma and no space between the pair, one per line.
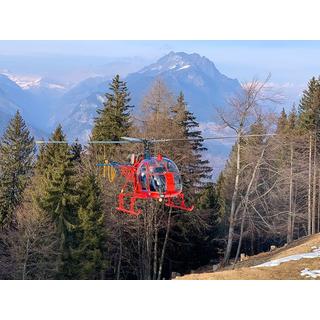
170,182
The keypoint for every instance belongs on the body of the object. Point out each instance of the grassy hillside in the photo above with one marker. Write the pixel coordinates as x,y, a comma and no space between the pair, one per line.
287,270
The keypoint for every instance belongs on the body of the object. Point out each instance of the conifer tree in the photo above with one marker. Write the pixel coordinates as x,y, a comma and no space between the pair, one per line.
309,121
282,122
17,150
196,167
113,121
91,228
292,120
257,128
76,150
309,107
49,152
59,198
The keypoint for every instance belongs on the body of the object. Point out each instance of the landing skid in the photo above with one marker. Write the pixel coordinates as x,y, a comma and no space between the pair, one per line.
169,202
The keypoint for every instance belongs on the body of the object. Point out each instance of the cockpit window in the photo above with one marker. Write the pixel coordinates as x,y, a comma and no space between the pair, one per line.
159,176
158,183
143,177
177,182
171,166
159,170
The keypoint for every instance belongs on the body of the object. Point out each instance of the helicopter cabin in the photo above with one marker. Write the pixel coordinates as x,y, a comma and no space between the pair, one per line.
159,177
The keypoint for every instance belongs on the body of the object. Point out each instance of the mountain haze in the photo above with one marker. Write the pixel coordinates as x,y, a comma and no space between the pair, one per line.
44,102
197,77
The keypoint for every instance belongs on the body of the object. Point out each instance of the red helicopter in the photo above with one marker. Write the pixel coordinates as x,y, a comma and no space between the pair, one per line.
147,177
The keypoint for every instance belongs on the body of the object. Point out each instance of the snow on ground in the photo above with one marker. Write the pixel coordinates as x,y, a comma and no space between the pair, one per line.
307,255
310,273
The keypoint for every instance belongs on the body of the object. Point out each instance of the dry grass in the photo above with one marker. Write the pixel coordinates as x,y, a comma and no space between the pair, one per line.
285,271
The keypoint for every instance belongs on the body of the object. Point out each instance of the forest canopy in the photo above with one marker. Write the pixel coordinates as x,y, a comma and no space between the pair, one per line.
58,217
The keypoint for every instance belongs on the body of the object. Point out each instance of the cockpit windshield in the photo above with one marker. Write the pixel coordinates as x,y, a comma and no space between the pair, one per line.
171,165
159,176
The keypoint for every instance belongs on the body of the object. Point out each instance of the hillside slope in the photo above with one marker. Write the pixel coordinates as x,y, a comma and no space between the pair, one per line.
303,256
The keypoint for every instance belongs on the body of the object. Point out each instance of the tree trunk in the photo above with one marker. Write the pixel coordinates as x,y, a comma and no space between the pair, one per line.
246,200
318,224
290,215
314,190
24,268
233,207
164,245
240,239
119,258
155,250
294,212
309,185
147,246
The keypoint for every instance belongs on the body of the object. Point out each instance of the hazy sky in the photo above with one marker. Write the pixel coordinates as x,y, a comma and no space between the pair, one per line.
291,63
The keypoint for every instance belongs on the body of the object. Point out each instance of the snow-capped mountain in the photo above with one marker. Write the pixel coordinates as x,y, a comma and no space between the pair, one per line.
197,77
13,98
45,103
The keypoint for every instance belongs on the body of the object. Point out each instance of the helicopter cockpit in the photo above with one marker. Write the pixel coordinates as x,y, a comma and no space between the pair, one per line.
159,175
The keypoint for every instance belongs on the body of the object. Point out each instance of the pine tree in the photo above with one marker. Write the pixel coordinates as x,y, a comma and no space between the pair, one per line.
196,168
17,149
114,120
76,150
91,228
59,199
292,120
309,121
282,122
49,152
257,128
309,107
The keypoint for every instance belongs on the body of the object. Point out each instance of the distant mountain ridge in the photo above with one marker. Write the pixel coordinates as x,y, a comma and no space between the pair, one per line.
44,104
197,77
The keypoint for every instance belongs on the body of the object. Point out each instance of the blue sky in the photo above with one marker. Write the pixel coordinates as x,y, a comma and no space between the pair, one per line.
291,63
288,61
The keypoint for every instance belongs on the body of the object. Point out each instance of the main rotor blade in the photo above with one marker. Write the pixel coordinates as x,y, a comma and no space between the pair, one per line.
138,140
50,142
135,140
213,138
108,142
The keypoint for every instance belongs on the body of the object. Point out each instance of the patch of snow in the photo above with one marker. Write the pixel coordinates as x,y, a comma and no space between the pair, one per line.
310,273
101,98
23,81
55,86
172,67
185,67
156,68
307,255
